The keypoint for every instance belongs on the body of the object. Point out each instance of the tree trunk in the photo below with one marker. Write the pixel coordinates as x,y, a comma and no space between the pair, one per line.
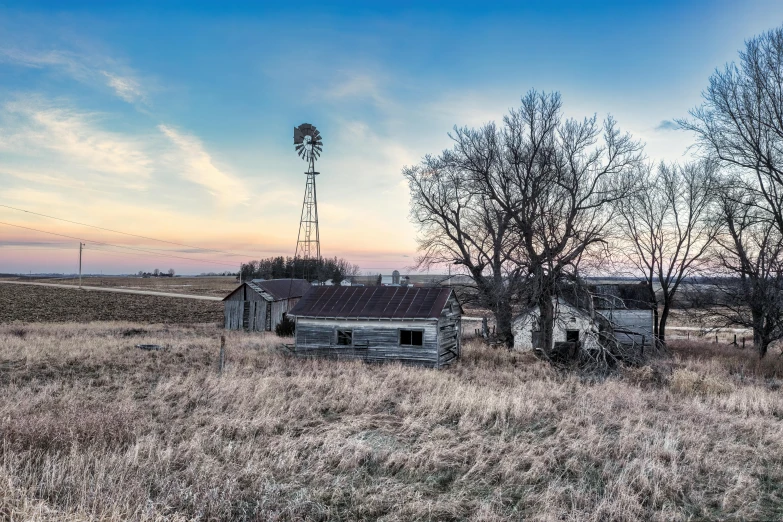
547,321
661,336
656,321
760,342
503,323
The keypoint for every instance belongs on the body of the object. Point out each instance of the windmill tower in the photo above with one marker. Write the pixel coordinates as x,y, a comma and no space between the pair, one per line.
308,144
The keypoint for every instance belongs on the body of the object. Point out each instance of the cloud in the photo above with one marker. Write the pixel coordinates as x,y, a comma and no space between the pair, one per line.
75,138
199,168
352,86
126,87
667,125
90,70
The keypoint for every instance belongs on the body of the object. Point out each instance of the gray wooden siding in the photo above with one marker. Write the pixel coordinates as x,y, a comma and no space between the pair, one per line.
279,308
233,314
237,295
372,341
234,310
449,333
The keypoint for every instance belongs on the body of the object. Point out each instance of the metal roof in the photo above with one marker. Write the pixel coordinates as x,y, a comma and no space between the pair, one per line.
372,302
276,289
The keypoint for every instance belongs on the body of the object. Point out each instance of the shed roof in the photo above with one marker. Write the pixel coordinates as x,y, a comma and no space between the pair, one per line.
284,288
373,302
276,289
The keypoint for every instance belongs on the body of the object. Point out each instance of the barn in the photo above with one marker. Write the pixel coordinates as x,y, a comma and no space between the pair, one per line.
259,305
379,323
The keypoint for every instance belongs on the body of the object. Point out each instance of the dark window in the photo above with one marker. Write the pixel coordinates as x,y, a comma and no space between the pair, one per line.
345,337
411,338
572,336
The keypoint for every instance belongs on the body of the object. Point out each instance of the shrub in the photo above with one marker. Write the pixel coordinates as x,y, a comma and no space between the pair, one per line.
285,328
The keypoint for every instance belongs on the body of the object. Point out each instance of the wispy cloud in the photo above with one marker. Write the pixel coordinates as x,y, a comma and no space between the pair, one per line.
76,138
90,70
125,87
357,85
199,168
667,125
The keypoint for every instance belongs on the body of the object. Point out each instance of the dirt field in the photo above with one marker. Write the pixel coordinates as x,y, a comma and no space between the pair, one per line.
95,429
29,303
215,286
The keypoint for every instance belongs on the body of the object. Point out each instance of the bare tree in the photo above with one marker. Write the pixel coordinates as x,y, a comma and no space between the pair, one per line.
667,228
740,123
751,256
741,120
461,224
520,206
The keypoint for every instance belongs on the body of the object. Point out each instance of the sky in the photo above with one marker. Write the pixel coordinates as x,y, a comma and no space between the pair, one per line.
174,120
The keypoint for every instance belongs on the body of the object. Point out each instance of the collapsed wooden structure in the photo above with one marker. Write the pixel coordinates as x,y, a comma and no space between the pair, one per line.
377,323
259,305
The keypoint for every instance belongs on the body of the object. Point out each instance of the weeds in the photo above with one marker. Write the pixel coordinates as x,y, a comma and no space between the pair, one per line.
92,429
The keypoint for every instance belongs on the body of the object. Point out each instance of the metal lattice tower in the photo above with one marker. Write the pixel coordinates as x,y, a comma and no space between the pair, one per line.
308,144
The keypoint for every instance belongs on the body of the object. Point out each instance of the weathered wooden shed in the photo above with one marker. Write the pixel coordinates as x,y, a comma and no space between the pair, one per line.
259,305
379,323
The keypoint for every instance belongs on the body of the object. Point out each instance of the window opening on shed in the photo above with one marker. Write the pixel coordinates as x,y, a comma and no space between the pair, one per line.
572,336
345,337
411,338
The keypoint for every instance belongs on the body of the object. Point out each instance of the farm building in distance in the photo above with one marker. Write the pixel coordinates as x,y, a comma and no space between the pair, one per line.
572,325
622,308
379,323
627,308
259,305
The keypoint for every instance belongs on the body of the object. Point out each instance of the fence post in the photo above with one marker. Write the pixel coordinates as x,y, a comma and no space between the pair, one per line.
716,338
735,339
743,343
222,362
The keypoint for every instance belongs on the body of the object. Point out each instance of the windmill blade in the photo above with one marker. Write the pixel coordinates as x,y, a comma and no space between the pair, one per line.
304,135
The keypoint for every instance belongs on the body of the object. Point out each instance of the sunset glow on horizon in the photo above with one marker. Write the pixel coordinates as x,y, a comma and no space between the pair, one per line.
175,123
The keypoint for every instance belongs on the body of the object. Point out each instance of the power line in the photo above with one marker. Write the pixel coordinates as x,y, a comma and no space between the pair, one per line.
104,251
126,233
119,246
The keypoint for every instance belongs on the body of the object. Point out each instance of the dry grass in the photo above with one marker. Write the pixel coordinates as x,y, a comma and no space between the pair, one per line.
93,428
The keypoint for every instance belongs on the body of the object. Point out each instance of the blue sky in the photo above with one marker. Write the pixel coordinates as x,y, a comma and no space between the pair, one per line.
175,121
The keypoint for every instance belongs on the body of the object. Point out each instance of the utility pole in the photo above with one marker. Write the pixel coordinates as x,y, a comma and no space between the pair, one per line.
81,245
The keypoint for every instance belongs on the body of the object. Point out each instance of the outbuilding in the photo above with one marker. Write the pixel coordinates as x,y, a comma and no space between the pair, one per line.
379,323
572,325
259,305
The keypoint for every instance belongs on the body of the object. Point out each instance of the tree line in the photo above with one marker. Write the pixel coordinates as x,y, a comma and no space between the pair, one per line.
336,269
529,206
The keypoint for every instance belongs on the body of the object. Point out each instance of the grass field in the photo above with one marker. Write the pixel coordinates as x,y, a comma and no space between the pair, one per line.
95,429
207,285
29,303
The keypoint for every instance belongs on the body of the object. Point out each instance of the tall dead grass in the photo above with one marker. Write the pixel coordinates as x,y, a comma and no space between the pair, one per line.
92,428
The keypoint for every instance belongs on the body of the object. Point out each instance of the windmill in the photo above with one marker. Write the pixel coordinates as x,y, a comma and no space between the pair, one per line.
308,144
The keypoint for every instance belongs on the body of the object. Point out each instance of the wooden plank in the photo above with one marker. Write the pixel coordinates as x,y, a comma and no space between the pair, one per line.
260,316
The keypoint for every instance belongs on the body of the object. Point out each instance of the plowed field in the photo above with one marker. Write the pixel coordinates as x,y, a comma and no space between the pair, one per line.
42,304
